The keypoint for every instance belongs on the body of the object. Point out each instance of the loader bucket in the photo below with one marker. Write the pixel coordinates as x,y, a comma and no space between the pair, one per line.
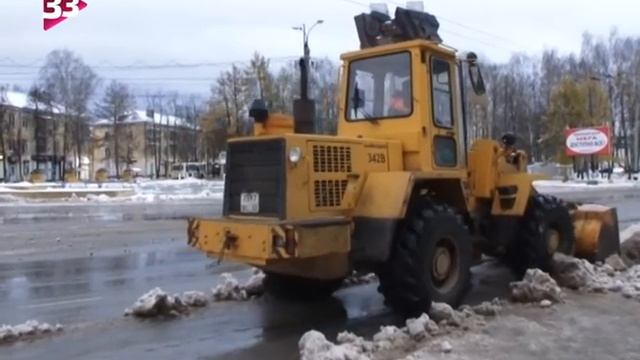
596,229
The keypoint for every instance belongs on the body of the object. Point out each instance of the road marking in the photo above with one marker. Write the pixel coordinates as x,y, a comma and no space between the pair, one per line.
65,302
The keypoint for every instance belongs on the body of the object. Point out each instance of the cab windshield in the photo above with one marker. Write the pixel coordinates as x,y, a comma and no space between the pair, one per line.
380,87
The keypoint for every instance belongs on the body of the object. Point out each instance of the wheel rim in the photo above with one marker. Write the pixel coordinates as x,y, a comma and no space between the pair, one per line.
553,241
444,264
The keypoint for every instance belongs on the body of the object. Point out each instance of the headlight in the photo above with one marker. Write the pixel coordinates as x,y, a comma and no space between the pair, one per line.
295,154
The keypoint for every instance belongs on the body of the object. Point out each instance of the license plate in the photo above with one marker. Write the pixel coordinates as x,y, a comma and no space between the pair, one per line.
250,203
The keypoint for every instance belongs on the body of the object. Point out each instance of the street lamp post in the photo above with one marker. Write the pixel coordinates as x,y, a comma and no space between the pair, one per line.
304,86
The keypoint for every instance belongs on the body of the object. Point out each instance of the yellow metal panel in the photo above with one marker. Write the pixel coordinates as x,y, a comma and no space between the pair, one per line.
327,267
523,183
323,239
380,50
483,168
596,230
385,195
253,241
395,156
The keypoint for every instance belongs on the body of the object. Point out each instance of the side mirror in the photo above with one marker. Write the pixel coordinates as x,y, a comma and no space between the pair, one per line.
475,75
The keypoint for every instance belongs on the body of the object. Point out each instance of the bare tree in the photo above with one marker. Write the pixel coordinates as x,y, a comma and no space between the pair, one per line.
117,103
72,83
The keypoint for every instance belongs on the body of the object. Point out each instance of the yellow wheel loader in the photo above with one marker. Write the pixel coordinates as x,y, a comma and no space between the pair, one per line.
397,191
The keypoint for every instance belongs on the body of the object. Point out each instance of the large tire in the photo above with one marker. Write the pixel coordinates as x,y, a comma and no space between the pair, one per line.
430,260
545,229
298,288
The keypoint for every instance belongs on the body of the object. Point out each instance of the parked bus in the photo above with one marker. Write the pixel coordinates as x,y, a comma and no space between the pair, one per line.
188,171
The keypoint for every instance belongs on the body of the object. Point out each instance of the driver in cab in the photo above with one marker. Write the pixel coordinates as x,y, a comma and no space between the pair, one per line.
400,102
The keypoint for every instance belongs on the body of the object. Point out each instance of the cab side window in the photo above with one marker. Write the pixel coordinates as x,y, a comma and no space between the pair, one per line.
441,93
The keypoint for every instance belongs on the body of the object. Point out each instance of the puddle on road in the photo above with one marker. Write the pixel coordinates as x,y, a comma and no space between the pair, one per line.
33,280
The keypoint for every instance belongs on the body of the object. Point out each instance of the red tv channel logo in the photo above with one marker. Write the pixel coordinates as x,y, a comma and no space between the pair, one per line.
56,11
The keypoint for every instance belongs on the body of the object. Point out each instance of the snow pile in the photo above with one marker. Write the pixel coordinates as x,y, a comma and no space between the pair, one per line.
231,290
255,285
314,346
195,299
579,274
630,248
422,327
535,287
157,303
489,308
444,314
632,231
442,320
358,279
28,329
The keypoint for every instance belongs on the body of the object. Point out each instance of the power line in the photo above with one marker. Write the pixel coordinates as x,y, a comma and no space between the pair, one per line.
141,65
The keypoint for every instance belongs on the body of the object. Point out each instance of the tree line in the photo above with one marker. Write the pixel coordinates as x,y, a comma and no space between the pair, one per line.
537,97
534,97
235,89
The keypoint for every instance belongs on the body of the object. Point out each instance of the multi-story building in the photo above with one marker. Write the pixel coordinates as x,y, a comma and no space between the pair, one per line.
31,137
148,143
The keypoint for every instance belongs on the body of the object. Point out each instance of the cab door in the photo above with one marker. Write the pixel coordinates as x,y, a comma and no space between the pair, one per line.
445,138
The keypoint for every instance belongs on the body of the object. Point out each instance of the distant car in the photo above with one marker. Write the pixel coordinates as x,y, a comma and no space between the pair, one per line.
187,171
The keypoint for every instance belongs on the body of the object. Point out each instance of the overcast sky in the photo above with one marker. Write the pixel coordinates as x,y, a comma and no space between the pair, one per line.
123,32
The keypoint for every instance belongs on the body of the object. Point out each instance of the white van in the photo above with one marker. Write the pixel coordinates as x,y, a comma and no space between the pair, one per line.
187,171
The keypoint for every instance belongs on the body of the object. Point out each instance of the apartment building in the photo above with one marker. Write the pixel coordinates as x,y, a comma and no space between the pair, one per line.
148,143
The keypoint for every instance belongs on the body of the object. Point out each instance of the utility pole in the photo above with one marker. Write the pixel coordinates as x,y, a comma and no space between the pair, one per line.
304,108
304,86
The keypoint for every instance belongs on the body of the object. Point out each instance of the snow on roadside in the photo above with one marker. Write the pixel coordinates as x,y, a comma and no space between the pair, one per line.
158,303
629,232
425,330
435,334
536,286
230,288
142,191
560,186
28,329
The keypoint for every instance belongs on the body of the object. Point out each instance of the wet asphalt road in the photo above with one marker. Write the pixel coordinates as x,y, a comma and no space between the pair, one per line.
88,293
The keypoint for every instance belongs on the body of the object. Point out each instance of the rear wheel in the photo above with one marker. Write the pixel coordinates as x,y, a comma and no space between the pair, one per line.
298,288
546,229
430,260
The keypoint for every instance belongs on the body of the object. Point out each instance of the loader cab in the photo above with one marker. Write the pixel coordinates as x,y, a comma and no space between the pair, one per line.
404,85
407,92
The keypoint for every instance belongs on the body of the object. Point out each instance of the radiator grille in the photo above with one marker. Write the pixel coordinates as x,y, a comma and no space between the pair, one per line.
331,159
329,193
256,166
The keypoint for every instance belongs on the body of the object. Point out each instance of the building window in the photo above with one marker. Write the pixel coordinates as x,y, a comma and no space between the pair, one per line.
107,136
107,153
12,120
24,146
25,167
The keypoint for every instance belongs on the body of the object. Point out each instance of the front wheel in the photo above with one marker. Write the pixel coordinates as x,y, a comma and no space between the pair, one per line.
430,260
545,229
